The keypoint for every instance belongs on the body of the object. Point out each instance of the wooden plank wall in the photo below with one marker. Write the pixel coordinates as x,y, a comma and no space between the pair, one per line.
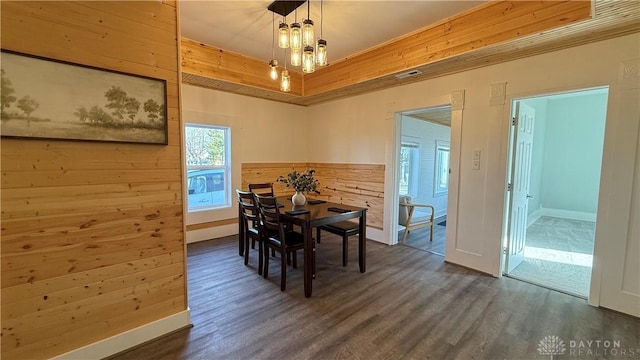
352,184
92,239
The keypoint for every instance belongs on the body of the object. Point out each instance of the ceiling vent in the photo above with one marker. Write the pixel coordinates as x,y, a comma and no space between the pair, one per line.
407,74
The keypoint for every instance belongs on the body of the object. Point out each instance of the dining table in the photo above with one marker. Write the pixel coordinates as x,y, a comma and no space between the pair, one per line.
315,213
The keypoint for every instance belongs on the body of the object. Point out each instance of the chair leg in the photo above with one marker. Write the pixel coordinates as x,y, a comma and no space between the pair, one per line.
295,259
318,235
246,250
431,232
345,249
404,237
288,258
283,273
260,257
265,272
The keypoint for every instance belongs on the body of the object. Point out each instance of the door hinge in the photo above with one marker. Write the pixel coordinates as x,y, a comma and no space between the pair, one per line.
514,121
509,187
504,250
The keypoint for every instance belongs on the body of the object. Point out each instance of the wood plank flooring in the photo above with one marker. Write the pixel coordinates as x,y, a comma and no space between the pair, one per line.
408,305
419,239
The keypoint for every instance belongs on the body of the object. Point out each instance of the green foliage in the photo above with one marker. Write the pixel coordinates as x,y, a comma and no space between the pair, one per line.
131,105
301,181
153,110
6,91
205,146
99,116
117,102
28,105
82,113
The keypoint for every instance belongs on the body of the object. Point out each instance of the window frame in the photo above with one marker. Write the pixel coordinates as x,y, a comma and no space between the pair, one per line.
439,171
414,168
226,169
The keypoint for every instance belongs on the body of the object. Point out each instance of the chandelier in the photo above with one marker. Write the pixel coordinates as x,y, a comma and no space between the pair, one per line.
304,49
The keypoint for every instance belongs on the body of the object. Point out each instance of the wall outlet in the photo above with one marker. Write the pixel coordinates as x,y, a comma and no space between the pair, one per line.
475,165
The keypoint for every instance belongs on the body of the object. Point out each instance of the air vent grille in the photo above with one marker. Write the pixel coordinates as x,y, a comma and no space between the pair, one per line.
409,73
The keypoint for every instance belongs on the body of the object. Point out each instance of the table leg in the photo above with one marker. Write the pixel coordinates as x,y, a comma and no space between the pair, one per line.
362,242
240,232
308,259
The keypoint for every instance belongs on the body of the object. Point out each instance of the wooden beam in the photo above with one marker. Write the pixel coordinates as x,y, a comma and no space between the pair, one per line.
205,61
492,24
486,25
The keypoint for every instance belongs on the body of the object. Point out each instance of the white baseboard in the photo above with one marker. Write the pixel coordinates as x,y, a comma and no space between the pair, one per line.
534,216
567,214
211,233
130,338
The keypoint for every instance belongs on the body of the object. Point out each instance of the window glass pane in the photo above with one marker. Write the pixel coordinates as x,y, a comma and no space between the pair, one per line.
208,172
408,169
441,181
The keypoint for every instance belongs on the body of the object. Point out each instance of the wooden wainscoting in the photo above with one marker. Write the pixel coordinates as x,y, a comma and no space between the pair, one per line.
92,232
353,184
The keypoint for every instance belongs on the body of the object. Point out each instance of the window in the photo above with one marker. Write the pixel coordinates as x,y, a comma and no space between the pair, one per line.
441,180
409,165
208,166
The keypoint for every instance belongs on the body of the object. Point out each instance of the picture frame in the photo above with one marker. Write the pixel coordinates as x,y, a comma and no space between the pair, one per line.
50,99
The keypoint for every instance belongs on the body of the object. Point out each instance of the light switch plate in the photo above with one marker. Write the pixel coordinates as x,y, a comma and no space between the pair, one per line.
475,165
476,154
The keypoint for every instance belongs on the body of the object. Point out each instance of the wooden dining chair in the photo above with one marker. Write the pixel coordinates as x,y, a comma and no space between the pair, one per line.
344,229
264,189
276,237
250,218
412,217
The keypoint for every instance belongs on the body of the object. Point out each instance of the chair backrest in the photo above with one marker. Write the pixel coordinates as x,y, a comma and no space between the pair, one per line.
270,216
248,207
264,189
403,214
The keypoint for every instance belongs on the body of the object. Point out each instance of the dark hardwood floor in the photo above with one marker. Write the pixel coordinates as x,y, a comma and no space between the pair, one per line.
408,305
419,239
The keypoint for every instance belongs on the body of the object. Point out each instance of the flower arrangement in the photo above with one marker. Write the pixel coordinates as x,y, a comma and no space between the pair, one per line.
301,181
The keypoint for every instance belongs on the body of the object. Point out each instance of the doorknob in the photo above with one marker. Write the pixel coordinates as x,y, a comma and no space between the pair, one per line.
529,196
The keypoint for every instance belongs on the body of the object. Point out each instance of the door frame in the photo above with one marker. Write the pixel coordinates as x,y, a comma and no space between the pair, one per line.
510,112
394,113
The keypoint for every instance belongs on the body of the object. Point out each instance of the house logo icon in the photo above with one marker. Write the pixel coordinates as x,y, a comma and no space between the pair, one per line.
551,345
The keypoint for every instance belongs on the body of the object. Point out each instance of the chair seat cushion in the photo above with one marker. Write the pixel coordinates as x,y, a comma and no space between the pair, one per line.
292,238
420,216
342,227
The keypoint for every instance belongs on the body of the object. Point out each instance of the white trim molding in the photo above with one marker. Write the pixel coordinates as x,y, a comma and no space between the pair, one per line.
131,338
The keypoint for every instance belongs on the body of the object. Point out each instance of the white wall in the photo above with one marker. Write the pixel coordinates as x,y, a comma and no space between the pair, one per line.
567,154
425,134
362,129
261,131
573,153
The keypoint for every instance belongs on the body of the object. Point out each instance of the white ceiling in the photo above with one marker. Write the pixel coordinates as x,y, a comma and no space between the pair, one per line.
349,26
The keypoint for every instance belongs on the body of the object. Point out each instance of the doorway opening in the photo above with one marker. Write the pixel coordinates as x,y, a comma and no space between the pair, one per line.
554,179
423,178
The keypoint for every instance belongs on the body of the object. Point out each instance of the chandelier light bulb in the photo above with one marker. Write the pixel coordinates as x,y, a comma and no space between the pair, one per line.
296,36
296,57
273,69
308,38
308,62
283,36
321,52
285,83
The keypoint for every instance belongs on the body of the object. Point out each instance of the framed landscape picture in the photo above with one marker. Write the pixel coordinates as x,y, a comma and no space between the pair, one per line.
50,99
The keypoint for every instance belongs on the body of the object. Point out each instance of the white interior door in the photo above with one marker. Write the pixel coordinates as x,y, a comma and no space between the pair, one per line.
520,174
